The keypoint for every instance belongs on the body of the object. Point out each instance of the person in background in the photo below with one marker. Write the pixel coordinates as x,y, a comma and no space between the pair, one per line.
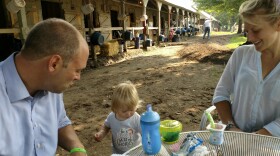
207,27
123,121
33,119
247,95
171,34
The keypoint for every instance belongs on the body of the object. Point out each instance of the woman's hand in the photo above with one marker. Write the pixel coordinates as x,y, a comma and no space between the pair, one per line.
263,131
235,129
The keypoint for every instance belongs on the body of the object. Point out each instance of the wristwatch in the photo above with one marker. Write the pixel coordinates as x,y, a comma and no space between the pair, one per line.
230,124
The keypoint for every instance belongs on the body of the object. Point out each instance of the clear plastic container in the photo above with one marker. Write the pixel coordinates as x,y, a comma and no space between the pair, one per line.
170,131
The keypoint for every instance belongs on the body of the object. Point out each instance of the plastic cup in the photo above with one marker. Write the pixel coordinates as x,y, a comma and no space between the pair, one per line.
217,133
170,131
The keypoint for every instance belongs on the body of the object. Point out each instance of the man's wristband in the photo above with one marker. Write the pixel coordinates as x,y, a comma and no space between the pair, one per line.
78,150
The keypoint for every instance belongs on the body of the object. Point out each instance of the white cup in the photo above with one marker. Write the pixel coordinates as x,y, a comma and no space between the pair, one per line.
216,133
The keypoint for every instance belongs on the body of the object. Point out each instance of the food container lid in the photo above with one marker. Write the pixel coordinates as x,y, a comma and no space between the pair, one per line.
170,125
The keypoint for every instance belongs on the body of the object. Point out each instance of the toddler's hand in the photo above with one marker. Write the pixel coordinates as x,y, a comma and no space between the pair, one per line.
98,136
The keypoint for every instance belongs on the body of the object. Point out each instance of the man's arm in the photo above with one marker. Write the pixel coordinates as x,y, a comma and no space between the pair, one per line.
68,139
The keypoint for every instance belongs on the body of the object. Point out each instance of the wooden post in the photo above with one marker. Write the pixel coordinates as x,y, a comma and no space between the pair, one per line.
145,2
183,18
124,23
187,21
22,24
159,4
193,21
177,18
169,20
93,64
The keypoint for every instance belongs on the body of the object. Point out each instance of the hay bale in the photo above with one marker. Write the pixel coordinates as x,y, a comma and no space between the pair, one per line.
97,49
110,48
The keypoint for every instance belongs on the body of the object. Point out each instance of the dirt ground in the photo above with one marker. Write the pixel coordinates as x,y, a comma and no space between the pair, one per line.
178,81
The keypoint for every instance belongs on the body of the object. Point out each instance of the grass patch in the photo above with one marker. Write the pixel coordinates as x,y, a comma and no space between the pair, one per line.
236,41
217,33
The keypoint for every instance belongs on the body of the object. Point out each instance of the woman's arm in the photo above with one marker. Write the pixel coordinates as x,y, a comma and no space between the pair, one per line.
224,111
273,128
225,114
263,131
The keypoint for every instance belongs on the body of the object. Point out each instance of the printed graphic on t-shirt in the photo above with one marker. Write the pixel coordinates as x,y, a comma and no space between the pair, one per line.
125,138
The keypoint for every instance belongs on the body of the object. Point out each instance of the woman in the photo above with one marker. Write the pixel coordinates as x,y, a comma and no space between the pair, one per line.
247,96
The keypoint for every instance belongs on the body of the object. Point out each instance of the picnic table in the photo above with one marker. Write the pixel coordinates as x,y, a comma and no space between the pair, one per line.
235,144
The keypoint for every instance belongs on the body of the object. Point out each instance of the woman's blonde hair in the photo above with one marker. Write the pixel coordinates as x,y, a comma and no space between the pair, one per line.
268,9
125,95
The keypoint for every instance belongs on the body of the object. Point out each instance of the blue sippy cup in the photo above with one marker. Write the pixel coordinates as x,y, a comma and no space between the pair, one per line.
151,140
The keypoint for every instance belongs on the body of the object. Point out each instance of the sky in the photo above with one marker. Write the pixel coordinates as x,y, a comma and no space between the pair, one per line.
187,4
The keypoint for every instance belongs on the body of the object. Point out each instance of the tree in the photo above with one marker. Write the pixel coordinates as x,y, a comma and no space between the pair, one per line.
225,9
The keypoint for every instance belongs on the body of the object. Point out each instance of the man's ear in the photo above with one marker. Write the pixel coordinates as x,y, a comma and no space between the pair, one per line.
54,62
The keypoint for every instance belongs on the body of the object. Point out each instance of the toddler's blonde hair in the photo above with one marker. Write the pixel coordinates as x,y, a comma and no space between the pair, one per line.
125,95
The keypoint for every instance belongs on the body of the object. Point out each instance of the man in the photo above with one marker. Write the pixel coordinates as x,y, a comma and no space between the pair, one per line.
207,25
33,120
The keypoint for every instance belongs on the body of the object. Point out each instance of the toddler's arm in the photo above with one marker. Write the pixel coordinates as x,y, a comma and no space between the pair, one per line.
101,133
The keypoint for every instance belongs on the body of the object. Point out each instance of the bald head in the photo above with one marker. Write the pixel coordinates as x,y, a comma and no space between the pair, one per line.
52,36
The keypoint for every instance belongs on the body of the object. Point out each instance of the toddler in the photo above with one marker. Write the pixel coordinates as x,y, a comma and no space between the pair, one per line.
123,121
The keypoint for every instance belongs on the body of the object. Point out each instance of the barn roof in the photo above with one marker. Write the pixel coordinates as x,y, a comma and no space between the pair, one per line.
183,4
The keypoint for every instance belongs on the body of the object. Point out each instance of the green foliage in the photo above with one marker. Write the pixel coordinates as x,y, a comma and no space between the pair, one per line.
217,33
236,41
218,6
226,11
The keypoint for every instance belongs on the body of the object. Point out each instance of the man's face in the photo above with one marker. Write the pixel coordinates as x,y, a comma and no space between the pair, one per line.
66,76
